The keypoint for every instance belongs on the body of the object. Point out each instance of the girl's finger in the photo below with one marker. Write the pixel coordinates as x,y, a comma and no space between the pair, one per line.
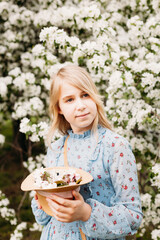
77,195
57,207
62,201
61,219
60,216
35,197
38,204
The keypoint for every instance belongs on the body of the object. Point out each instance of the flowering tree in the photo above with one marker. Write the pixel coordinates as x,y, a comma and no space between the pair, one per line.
118,42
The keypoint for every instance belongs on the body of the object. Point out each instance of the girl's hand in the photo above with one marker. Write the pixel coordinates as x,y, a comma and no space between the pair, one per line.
65,210
36,198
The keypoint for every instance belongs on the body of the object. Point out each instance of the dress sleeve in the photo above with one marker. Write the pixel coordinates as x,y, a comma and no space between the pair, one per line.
41,217
123,217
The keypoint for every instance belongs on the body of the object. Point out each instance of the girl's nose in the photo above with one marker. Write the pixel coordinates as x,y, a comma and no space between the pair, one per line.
80,104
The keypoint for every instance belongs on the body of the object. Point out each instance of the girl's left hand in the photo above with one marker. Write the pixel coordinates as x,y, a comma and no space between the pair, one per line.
65,210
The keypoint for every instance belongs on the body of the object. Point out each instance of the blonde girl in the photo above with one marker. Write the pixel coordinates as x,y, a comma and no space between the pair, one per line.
80,79
109,207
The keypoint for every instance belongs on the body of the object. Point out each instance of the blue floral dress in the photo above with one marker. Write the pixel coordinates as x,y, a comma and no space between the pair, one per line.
113,194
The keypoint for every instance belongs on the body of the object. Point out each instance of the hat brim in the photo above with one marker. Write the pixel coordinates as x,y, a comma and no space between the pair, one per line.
28,184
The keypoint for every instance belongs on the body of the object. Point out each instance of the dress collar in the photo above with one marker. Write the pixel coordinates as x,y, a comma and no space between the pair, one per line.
84,135
78,136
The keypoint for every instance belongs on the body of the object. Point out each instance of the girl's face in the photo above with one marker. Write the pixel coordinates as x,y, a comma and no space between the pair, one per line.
77,107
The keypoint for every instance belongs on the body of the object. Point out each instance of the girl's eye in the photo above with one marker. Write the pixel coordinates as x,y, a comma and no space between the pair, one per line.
69,100
85,95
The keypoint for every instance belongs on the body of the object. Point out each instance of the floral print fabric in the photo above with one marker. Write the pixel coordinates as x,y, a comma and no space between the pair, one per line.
113,194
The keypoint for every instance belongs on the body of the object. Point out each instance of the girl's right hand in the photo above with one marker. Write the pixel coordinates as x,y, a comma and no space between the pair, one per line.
36,198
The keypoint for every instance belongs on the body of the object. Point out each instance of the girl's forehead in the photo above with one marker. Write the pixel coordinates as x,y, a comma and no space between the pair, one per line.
70,86
76,81
67,88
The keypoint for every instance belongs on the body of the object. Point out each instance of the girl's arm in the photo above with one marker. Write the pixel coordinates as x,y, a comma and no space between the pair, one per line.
41,217
123,216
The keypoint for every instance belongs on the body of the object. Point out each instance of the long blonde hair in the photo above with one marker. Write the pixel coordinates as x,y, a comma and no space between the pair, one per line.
77,77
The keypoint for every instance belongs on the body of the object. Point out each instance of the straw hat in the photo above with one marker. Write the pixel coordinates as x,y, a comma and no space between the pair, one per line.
28,185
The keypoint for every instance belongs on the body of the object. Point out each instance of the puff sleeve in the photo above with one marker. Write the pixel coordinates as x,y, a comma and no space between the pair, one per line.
123,216
41,217
53,154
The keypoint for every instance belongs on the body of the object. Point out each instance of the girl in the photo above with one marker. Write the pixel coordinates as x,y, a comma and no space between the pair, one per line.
109,207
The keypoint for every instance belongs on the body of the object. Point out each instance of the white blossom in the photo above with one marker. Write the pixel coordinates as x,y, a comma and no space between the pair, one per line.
146,200
15,72
17,235
156,171
24,125
7,213
36,227
38,50
3,89
155,234
46,83
139,166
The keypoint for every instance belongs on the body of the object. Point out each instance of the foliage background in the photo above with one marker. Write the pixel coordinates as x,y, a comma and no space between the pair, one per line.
118,42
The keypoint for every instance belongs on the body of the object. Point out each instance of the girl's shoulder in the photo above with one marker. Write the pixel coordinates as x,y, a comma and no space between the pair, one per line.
54,151
111,138
58,144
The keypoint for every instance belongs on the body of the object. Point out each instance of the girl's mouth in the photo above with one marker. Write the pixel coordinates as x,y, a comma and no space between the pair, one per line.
82,115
